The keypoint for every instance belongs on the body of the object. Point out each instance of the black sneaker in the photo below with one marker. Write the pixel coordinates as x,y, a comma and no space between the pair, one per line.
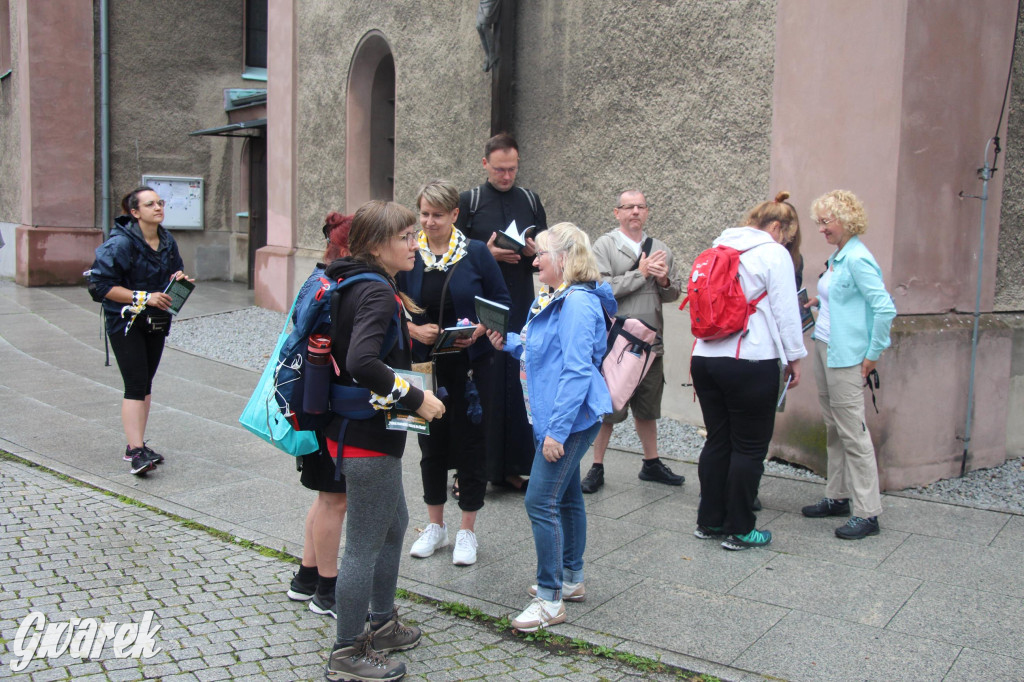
826,506
709,532
323,604
155,457
593,480
300,591
655,470
140,463
857,528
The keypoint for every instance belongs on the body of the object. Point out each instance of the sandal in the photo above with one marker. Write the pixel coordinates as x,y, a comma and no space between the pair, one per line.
455,486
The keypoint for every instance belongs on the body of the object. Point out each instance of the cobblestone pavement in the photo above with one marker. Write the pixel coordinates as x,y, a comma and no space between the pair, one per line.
69,551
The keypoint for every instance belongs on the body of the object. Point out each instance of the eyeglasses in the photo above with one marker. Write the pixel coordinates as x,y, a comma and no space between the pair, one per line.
824,221
538,254
410,238
630,207
505,171
159,202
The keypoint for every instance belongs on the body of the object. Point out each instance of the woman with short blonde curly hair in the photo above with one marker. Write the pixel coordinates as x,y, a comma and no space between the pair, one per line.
854,315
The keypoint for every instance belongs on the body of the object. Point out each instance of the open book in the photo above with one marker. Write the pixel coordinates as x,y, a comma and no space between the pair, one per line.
447,337
512,238
492,315
400,418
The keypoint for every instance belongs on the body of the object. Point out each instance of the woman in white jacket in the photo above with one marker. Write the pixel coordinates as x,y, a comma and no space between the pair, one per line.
737,379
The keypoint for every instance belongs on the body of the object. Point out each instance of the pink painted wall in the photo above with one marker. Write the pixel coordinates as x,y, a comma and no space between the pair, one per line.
57,114
894,100
274,287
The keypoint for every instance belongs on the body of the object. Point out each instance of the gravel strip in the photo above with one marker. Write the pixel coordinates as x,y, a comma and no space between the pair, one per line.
216,336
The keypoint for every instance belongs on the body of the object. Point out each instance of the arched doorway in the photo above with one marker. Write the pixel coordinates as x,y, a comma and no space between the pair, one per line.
370,123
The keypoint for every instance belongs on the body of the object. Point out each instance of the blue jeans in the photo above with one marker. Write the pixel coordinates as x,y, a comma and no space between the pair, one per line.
554,503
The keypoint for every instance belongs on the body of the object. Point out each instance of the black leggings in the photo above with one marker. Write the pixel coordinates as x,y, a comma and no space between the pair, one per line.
138,356
737,398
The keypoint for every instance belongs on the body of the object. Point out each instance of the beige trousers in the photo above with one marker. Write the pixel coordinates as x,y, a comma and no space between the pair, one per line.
852,469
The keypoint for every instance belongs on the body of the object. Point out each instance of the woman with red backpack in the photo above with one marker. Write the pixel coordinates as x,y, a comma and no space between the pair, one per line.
736,376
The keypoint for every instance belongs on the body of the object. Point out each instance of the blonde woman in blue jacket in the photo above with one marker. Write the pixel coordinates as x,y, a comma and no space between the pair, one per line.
560,350
854,316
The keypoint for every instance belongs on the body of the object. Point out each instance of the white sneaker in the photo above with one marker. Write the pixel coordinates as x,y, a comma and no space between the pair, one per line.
570,592
464,553
432,538
540,614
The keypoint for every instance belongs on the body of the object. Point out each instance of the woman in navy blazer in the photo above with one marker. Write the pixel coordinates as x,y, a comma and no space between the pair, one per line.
450,272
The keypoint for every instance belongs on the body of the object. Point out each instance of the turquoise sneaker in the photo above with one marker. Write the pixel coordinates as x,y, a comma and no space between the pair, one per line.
755,538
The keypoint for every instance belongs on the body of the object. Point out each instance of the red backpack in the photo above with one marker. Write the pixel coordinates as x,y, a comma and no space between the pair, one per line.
718,306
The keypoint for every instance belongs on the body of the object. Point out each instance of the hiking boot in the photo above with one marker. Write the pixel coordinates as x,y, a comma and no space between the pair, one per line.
826,506
570,592
302,591
464,553
709,532
593,481
140,463
394,635
540,614
655,470
857,528
323,604
431,538
361,662
755,538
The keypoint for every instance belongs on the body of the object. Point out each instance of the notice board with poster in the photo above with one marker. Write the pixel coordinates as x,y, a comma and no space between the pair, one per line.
184,197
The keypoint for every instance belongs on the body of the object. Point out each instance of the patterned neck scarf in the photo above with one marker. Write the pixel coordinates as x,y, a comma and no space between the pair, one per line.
456,251
545,297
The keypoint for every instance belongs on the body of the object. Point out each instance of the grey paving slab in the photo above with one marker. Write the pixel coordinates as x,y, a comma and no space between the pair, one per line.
984,666
828,589
682,558
792,533
240,501
617,505
684,619
958,563
962,524
958,615
806,647
1012,534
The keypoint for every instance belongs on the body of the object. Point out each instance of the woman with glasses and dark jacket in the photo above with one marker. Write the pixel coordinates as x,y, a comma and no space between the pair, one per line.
450,272
132,269
855,313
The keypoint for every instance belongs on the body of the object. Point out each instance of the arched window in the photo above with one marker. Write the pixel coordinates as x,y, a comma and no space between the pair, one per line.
370,123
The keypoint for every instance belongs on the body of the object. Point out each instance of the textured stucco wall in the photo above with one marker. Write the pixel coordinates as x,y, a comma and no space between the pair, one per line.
671,97
10,132
442,98
1010,268
169,65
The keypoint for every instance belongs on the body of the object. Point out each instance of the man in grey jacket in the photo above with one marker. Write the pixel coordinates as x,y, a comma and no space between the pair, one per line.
643,276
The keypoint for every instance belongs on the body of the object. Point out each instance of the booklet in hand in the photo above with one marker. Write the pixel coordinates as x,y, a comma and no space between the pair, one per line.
400,418
806,318
178,290
512,238
492,315
447,337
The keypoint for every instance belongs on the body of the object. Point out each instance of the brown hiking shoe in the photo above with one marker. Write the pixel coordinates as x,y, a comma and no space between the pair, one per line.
394,636
361,662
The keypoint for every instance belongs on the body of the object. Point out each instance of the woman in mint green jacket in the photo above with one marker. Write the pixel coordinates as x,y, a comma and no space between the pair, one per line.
854,316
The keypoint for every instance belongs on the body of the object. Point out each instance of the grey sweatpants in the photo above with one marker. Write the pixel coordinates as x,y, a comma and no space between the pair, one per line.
375,526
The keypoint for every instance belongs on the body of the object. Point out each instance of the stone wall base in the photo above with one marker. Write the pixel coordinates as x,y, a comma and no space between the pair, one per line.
919,429
48,256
